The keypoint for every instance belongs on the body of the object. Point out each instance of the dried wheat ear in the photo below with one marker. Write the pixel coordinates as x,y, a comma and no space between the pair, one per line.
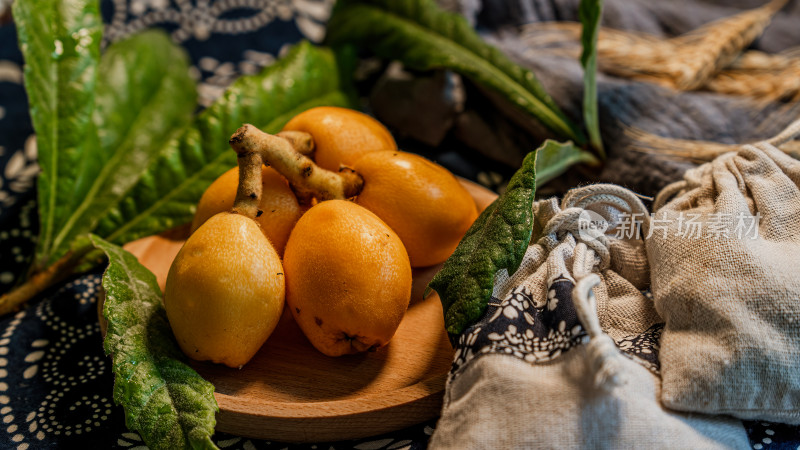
698,151
709,58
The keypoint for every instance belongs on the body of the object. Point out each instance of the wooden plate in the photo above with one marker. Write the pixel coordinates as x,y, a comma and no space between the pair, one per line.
291,392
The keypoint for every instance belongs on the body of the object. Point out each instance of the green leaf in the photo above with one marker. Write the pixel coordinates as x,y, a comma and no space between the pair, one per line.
590,12
61,47
165,400
554,158
167,195
423,37
145,93
497,240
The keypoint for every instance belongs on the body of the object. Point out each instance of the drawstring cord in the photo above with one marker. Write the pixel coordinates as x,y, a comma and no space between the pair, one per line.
602,356
568,221
592,253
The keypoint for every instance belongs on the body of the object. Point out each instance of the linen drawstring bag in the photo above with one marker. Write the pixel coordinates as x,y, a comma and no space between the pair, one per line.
725,269
566,355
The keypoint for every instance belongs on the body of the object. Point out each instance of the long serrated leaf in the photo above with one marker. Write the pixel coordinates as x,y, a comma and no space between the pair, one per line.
165,400
497,240
590,13
423,37
554,158
61,46
167,194
144,95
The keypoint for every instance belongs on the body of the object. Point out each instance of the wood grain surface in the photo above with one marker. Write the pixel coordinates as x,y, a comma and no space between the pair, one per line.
291,392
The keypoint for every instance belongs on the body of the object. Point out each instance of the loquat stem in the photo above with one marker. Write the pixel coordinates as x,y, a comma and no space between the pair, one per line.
306,178
302,142
248,193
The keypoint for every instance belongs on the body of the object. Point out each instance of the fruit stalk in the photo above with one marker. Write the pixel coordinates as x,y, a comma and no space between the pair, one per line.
306,178
248,193
302,142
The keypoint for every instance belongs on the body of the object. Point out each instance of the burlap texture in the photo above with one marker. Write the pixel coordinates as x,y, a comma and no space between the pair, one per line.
621,307
524,375
731,343
500,402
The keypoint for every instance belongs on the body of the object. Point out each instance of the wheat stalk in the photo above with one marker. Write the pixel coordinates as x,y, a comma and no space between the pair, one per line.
766,86
644,57
757,60
689,61
705,51
564,38
695,150
621,53
685,62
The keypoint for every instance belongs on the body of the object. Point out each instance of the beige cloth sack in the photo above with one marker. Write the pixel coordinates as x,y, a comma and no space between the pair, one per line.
729,290
502,402
566,355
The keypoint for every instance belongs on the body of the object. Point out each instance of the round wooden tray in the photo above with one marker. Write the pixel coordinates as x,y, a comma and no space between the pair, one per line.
291,392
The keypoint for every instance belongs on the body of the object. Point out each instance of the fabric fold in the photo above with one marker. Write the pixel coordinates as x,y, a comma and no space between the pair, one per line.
566,354
728,287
